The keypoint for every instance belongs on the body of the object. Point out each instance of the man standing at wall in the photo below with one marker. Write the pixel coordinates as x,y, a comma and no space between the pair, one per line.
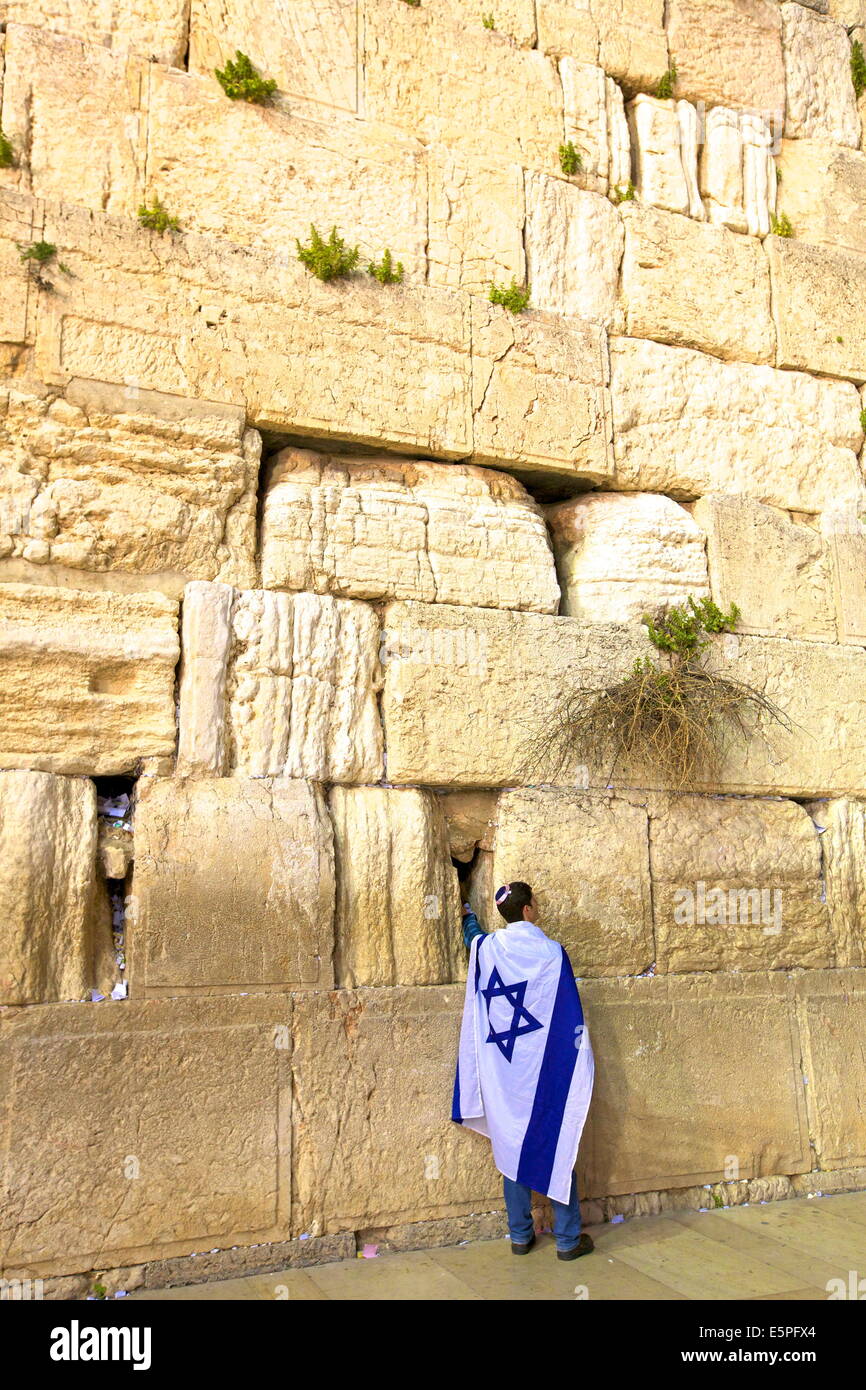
525,1067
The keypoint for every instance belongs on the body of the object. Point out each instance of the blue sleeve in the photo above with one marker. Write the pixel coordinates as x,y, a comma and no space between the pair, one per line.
471,928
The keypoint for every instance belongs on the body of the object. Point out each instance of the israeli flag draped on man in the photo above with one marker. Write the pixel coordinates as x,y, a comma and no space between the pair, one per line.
525,1066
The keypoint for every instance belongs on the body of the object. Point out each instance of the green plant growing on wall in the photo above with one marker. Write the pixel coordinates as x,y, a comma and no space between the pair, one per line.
624,192
37,257
778,176
863,420
7,154
781,226
673,714
488,21
156,219
512,297
570,159
242,82
327,260
667,83
386,271
858,68
416,4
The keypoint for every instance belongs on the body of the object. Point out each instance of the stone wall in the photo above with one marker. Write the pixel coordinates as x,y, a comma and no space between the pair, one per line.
292,574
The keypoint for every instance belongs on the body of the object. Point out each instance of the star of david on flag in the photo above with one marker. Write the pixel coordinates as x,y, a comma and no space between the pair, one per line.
514,994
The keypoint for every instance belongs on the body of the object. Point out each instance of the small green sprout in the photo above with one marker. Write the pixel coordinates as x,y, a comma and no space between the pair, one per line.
242,82
512,297
781,226
156,219
327,260
570,159
624,192
386,271
667,83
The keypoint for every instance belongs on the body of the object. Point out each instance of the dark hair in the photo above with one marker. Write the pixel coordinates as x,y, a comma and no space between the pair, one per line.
512,899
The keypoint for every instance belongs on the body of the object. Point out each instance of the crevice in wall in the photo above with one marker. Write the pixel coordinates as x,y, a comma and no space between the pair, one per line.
114,809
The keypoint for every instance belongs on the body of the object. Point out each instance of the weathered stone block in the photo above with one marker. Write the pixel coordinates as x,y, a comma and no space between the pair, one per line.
820,94
375,528
664,139
514,18
398,910
476,218
449,670
373,1075
620,555
122,482
143,1102
736,886
626,39
687,424
596,124
371,183
737,172
824,191
20,225
470,818
691,1072
820,307
587,859
157,32
51,945
697,286
832,1009
845,536
99,162
728,52
295,678
574,242
308,46
778,572
234,887
841,825
539,394
87,678
475,91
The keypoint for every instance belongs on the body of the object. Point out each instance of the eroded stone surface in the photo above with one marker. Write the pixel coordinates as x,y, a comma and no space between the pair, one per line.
626,39
234,887
87,678
476,218
819,307
596,124
820,95
138,26
832,1004
737,172
728,52
841,825
620,555
375,528
398,916
824,189
574,243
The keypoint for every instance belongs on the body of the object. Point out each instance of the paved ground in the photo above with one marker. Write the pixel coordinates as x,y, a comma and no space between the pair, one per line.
786,1250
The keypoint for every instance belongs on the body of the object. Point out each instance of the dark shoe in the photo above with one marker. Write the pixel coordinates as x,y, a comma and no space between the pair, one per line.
583,1247
524,1249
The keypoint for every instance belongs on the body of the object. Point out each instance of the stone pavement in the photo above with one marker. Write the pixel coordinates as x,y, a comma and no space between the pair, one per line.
781,1250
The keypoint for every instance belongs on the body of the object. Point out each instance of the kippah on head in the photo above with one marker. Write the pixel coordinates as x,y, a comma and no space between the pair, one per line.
511,899
503,892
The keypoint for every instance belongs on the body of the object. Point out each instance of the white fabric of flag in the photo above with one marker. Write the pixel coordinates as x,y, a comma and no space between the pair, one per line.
525,1067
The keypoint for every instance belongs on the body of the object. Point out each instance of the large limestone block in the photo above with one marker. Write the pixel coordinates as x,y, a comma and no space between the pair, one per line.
97,160
694,285
737,885
234,887
540,399
691,1073
737,173
119,481
295,678
475,91
820,307
626,38
820,94
169,1124
777,571
845,535
587,859
574,242
50,944
595,123
466,688
371,184
664,138
352,360
470,817
620,555
514,18
841,825
87,679
728,52
374,528
476,218
153,31
824,191
308,46
686,424
848,12
373,1077
20,225
398,909
832,1009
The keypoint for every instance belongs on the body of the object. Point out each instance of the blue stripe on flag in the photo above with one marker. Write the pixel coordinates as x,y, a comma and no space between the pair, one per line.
455,1103
554,1082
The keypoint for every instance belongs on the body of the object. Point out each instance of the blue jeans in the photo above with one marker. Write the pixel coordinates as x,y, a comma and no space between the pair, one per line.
566,1216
